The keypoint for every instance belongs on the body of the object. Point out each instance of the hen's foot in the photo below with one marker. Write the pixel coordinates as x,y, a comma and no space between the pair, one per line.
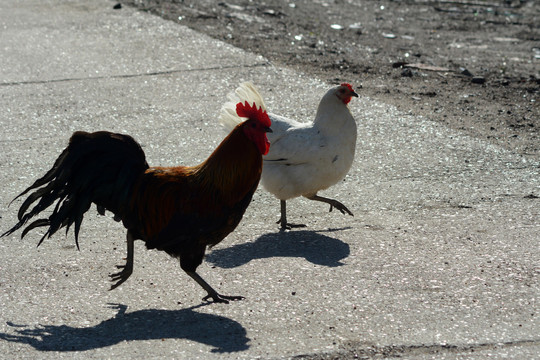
288,226
283,218
336,204
333,204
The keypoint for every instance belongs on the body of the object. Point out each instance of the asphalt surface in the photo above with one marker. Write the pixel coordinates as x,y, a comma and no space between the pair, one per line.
441,259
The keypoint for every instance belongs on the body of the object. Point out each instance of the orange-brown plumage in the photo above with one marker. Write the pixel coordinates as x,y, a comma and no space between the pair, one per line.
210,190
179,210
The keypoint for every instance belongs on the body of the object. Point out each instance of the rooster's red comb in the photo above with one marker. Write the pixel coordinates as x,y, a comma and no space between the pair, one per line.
348,85
253,113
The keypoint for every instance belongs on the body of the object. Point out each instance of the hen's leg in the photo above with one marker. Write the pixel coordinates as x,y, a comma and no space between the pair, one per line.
333,203
127,269
283,219
211,292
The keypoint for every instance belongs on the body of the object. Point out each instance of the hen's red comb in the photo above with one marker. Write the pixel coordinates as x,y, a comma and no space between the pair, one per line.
253,113
348,85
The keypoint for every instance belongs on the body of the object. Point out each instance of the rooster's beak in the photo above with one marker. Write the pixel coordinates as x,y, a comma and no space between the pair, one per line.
268,130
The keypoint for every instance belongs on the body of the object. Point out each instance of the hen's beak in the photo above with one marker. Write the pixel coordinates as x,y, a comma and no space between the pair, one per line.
354,93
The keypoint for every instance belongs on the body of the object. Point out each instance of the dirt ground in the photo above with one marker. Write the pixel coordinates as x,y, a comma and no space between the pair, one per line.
473,65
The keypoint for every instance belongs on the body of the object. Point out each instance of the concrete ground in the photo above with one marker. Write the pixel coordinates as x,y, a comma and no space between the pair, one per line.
441,259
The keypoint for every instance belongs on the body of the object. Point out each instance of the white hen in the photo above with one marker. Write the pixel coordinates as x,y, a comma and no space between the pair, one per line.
304,158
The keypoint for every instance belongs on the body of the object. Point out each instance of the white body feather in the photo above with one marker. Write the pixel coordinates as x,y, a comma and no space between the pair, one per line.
304,157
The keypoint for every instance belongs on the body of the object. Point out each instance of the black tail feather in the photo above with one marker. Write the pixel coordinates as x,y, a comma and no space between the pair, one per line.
35,224
98,168
45,178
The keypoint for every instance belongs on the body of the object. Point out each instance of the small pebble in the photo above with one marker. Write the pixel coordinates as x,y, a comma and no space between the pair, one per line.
478,80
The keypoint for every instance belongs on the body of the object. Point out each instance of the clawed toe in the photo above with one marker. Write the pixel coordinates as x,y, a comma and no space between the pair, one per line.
288,226
120,277
224,299
342,208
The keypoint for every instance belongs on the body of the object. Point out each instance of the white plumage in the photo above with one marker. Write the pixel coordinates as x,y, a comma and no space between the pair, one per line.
304,158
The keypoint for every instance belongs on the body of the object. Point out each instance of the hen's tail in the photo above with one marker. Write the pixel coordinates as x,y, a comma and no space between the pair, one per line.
245,92
98,168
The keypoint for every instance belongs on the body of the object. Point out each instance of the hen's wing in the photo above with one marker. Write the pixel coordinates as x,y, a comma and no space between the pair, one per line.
293,143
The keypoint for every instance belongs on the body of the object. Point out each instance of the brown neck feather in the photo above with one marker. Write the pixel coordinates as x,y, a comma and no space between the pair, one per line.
234,167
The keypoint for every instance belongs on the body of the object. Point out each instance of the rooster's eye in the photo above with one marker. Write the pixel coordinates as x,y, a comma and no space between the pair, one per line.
253,125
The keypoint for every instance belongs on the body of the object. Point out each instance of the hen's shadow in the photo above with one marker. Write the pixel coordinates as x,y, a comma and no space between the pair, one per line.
139,325
311,245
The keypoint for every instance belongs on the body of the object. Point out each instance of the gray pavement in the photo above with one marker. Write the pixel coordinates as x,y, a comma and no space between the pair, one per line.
441,259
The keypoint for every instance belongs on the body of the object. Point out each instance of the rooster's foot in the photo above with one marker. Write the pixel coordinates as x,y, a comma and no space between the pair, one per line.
218,298
213,294
121,276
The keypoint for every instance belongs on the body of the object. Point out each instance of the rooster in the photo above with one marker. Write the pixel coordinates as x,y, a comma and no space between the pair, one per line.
305,157
180,210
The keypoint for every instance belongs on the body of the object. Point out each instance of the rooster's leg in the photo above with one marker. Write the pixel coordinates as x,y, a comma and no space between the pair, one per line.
211,292
333,203
127,269
283,219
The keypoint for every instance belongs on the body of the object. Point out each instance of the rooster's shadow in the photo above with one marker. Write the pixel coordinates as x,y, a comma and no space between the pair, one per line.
314,247
139,325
